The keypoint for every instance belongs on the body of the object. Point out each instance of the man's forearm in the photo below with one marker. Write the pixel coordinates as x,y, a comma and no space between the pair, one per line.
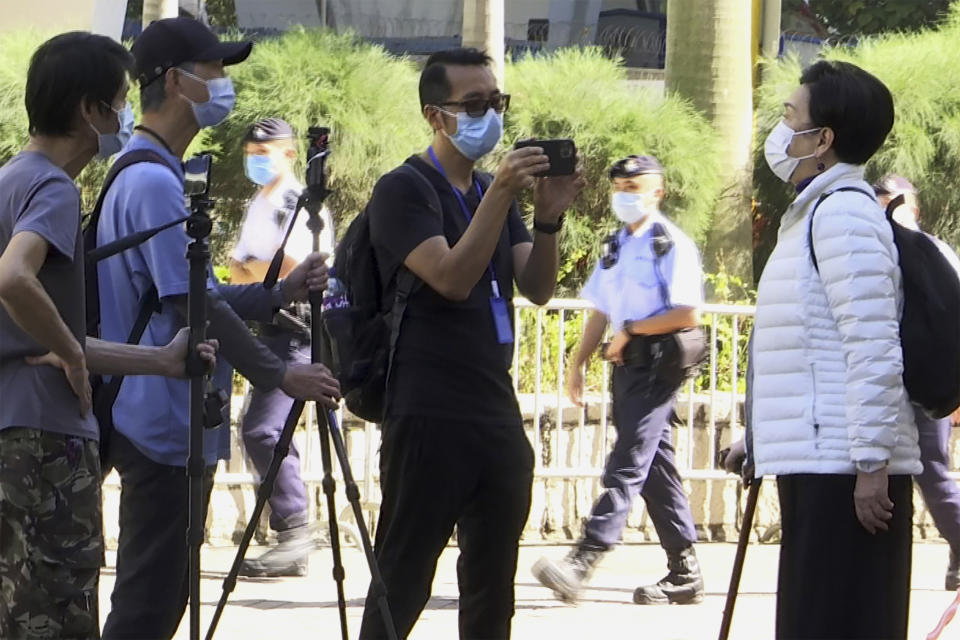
250,301
539,277
592,336
238,346
33,311
668,322
463,266
113,358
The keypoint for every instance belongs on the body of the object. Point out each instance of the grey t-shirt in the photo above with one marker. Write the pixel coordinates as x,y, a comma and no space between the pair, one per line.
37,196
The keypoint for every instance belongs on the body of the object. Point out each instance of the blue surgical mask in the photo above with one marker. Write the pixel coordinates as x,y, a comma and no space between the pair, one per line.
216,109
631,207
260,169
476,137
110,143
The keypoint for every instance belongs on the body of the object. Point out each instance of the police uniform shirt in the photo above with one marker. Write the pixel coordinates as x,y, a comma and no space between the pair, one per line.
267,219
631,288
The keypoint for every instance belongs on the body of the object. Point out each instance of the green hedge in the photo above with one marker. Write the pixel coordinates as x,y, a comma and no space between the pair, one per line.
919,68
369,99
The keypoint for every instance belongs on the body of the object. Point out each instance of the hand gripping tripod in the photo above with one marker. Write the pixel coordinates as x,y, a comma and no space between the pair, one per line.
311,200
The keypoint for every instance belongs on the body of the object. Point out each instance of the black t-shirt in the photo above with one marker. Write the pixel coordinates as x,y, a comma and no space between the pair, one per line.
448,362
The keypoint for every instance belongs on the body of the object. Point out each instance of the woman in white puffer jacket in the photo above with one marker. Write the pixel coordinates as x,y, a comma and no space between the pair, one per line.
831,418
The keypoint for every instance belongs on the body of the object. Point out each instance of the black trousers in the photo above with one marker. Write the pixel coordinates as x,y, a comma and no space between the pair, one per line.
150,594
837,581
435,474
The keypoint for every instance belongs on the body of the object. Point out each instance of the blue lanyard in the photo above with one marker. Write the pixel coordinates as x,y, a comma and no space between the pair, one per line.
494,285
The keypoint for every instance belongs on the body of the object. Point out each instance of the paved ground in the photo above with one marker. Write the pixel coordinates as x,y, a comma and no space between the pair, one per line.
268,609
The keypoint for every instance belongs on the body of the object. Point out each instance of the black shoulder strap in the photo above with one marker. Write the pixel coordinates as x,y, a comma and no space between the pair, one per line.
813,253
149,303
133,157
407,282
662,245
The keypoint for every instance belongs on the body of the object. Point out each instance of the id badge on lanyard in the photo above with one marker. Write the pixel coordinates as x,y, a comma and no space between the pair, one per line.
499,309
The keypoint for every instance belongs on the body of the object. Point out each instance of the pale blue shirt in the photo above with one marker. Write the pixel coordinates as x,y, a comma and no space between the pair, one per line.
631,288
152,411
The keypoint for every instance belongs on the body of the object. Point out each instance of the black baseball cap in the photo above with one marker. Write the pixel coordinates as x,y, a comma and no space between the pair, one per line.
632,166
267,130
172,41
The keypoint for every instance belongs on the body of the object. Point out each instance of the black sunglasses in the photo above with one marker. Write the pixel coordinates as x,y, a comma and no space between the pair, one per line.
477,107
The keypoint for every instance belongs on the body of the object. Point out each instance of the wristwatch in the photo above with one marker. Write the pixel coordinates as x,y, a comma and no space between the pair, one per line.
548,228
626,327
869,466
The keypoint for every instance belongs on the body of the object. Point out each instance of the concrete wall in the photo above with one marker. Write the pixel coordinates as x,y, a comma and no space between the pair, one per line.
99,16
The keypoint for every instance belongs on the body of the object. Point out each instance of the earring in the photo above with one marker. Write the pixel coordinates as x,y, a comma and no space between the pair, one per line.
821,166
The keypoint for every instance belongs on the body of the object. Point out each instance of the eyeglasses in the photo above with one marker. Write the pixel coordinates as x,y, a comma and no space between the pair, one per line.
476,107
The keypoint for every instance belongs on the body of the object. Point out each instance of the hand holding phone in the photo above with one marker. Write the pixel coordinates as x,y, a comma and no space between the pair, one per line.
562,153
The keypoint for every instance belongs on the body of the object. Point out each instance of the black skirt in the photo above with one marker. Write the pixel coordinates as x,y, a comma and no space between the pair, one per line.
836,579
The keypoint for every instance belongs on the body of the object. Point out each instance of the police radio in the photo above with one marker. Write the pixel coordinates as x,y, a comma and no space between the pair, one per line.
611,251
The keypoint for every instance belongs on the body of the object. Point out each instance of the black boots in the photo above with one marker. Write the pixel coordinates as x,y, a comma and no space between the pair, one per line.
952,580
683,585
288,558
566,578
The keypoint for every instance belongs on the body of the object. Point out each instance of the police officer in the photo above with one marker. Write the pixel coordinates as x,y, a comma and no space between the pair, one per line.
269,155
648,286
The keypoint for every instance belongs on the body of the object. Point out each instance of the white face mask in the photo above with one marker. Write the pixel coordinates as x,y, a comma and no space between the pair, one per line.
631,207
775,150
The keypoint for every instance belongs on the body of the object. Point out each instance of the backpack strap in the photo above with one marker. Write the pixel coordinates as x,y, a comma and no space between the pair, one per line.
813,253
133,157
149,303
407,281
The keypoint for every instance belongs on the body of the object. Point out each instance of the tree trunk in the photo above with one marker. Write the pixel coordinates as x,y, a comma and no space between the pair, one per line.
483,29
158,9
709,63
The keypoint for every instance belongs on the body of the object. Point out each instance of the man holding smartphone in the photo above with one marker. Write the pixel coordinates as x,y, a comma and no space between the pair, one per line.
454,452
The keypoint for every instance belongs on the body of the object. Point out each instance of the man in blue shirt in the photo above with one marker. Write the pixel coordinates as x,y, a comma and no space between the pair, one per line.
179,65
649,285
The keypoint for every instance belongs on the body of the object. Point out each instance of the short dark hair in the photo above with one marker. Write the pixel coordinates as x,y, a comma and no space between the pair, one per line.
68,69
434,85
154,92
855,104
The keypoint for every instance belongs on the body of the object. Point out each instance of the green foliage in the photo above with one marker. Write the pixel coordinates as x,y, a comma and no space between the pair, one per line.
868,17
924,144
580,94
369,100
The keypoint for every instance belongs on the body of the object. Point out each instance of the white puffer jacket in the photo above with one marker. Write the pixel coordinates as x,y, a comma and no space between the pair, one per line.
828,388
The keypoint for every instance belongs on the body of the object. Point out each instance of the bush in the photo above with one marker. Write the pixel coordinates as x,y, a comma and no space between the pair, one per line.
924,144
580,94
369,100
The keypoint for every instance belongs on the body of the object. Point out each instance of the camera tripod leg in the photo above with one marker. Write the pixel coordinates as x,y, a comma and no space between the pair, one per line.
280,452
329,490
377,586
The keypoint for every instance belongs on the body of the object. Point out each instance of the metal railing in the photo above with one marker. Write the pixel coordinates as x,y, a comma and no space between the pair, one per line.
539,374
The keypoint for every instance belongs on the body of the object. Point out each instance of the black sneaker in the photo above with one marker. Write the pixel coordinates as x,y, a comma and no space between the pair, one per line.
683,585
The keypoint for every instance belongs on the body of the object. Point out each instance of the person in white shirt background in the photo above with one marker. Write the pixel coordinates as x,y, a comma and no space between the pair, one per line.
269,159
940,492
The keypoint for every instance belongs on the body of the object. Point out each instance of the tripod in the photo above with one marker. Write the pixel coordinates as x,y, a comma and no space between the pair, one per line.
198,254
328,428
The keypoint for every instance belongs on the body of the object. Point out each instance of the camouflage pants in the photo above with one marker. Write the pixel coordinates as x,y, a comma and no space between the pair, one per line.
51,535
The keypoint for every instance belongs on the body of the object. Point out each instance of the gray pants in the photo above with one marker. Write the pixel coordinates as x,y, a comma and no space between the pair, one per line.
940,491
261,426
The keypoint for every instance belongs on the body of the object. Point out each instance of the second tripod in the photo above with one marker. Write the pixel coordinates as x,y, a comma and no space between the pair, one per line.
311,200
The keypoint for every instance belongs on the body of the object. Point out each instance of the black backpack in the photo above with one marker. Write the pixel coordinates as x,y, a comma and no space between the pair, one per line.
105,393
361,335
930,326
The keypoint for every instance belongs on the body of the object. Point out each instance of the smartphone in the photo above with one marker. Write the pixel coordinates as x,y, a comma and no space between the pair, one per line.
196,175
562,153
